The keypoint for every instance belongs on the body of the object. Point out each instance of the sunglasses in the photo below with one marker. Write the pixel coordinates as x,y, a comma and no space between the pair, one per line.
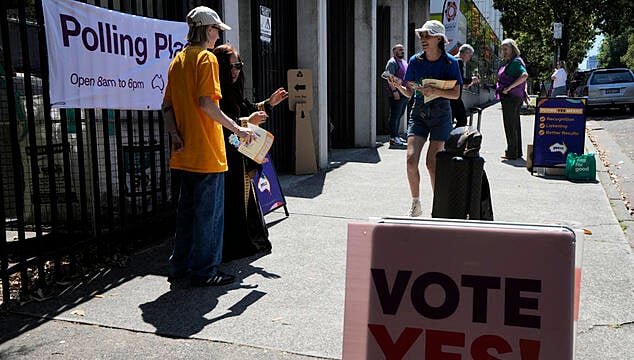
237,65
220,30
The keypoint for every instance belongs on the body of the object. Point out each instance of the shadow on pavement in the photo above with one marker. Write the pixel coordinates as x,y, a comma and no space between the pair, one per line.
176,313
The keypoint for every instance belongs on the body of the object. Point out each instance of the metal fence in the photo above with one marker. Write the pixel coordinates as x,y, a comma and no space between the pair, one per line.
71,179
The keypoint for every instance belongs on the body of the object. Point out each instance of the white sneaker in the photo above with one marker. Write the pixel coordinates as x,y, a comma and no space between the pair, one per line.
403,141
416,209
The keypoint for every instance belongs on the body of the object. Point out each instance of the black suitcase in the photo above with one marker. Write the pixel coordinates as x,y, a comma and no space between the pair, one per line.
461,190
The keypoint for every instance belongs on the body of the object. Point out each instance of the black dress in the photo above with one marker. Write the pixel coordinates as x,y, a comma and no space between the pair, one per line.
245,231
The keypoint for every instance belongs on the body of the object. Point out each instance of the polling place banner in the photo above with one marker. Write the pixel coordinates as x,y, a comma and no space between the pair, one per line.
434,289
100,58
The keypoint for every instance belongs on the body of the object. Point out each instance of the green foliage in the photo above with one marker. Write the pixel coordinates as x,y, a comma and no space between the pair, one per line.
628,58
614,16
613,48
530,23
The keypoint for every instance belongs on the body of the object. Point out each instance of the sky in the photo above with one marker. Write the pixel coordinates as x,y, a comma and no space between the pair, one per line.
593,51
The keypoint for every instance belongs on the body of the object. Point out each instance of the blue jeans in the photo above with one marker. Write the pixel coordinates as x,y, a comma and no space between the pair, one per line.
561,90
432,119
397,109
199,224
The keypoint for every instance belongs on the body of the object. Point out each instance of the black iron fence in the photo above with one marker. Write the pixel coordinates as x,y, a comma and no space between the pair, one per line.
71,179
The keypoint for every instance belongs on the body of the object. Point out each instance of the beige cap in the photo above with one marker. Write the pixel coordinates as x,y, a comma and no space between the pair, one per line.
434,28
203,15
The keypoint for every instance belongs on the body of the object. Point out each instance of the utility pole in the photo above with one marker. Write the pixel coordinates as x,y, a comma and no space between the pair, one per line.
557,37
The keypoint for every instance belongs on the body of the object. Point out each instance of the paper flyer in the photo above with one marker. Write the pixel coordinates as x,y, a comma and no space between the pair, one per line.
259,147
438,84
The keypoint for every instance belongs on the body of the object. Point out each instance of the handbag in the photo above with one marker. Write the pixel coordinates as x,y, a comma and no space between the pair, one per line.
581,168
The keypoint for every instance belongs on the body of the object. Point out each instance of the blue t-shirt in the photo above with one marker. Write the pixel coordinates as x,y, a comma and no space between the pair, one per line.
445,68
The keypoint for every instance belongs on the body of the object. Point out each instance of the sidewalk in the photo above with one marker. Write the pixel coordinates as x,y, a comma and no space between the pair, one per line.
289,304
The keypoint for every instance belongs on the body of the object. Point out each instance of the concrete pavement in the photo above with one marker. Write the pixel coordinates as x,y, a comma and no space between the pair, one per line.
289,304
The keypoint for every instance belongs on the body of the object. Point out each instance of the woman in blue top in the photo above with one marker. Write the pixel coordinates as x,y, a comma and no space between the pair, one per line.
431,118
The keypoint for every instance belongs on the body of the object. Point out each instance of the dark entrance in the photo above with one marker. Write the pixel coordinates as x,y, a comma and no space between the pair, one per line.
274,52
383,53
341,62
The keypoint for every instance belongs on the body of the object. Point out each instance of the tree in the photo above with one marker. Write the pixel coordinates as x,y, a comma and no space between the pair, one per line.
530,23
613,48
628,58
614,16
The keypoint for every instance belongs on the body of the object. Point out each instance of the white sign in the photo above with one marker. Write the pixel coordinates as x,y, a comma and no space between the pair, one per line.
451,17
557,30
265,24
100,58
449,289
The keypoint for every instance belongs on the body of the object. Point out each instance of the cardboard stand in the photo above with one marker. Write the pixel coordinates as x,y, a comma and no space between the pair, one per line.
300,100
305,162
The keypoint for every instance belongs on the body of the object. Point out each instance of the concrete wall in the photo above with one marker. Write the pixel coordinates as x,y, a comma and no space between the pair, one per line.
312,53
365,77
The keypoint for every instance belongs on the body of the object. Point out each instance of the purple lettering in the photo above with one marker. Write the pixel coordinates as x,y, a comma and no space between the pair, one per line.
95,39
66,32
160,44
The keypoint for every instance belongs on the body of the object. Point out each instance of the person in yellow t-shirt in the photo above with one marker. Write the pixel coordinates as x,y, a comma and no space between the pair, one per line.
194,121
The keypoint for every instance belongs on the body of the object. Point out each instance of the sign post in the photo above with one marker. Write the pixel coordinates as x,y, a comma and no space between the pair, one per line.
557,27
300,100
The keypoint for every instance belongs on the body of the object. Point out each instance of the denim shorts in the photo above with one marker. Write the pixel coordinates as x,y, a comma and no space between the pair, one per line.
433,119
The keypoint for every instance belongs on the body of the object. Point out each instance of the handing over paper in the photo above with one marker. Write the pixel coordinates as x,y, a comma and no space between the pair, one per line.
258,148
435,83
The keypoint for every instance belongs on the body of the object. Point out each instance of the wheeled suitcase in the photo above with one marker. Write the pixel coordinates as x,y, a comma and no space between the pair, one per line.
461,190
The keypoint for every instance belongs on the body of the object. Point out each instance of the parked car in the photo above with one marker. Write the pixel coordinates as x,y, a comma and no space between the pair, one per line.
610,87
578,81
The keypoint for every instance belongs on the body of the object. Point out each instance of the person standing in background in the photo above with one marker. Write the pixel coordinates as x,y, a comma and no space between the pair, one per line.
394,73
245,230
194,122
457,106
559,78
511,91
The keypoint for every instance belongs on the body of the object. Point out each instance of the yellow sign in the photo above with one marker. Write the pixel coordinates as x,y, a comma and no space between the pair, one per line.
574,111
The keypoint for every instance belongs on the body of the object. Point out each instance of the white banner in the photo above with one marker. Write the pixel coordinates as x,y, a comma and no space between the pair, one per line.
450,18
100,58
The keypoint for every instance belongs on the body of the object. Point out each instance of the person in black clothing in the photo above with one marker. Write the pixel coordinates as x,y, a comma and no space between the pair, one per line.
245,231
457,106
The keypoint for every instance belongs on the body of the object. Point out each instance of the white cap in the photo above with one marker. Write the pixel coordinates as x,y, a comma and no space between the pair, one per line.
203,15
434,28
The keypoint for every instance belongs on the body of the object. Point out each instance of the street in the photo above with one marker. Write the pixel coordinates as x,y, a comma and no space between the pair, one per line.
610,131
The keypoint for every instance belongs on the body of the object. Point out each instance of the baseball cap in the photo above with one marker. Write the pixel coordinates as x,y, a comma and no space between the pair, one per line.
203,15
433,28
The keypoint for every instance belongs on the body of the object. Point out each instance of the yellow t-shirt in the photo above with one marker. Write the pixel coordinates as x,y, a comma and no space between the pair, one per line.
194,73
